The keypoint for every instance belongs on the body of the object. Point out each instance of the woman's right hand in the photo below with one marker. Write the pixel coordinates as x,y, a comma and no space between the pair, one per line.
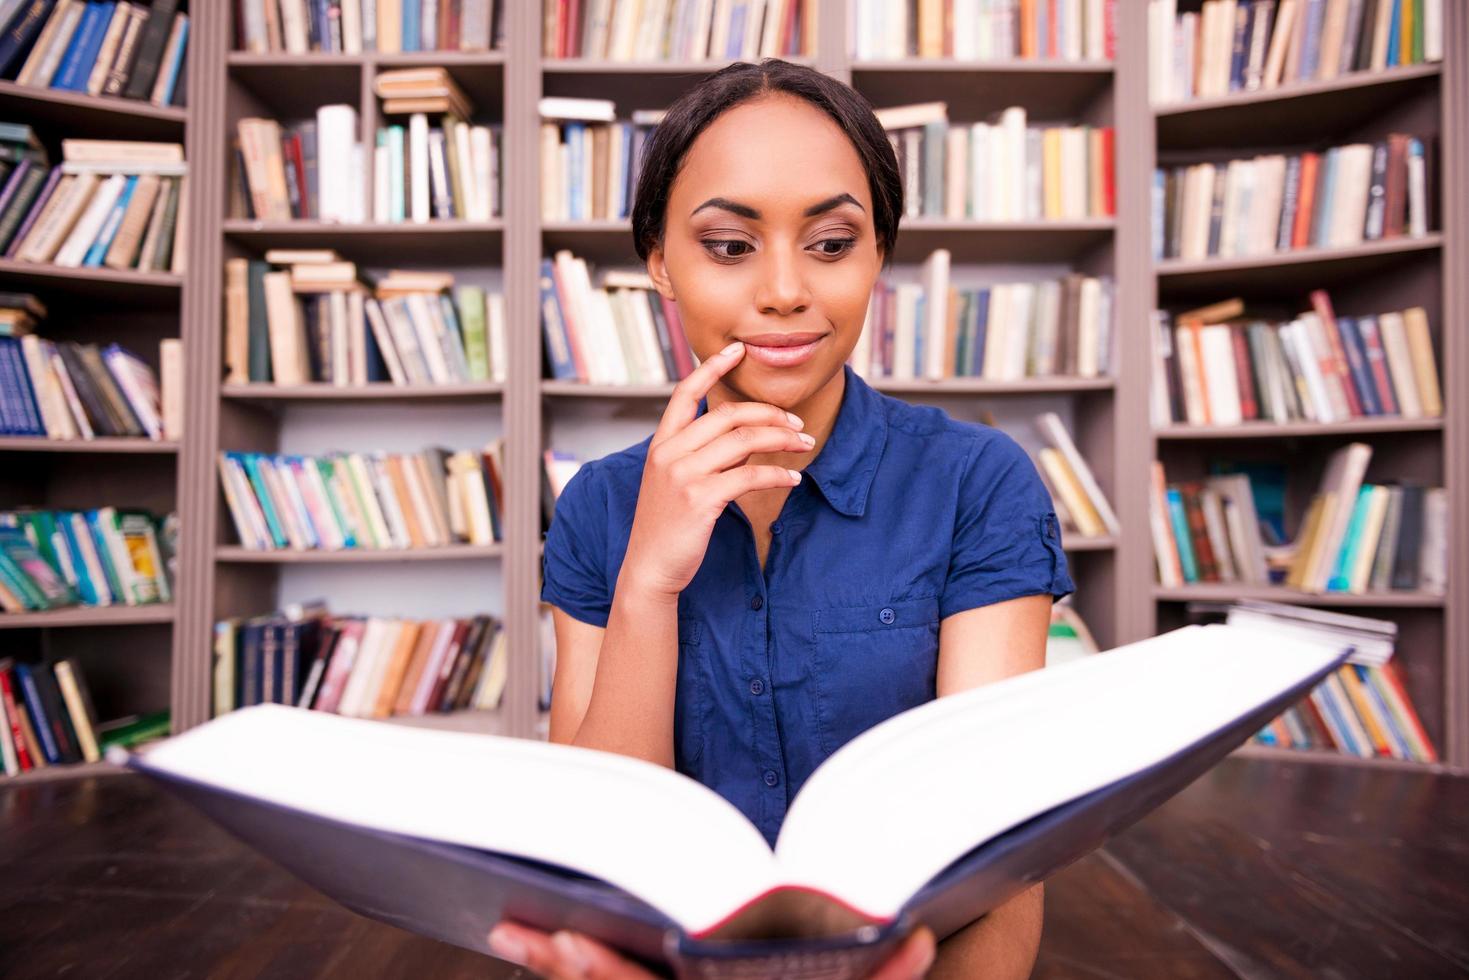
695,467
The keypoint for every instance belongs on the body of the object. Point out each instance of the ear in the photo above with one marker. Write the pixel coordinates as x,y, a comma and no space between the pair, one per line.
658,272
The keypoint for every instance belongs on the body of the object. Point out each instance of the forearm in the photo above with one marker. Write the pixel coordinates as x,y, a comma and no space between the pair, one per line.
1000,946
631,707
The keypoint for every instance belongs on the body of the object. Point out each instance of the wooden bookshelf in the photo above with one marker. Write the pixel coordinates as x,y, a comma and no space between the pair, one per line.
1427,100
153,613
101,444
270,394
1116,589
455,552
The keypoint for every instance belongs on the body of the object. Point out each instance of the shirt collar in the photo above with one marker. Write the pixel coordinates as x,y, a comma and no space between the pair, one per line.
847,463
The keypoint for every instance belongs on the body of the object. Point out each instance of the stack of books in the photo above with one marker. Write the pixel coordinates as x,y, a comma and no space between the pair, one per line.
132,50
109,203
356,501
67,390
1355,538
996,30
305,315
590,159
678,30
1216,366
276,171
1000,170
1278,202
1248,45
355,26
621,333
1363,708
46,717
423,172
50,559
364,666
1003,332
1081,506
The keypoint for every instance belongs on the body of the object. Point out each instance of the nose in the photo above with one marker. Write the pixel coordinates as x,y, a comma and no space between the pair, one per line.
783,288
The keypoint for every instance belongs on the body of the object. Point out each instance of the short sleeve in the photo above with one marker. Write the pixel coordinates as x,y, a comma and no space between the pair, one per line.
574,560
1007,541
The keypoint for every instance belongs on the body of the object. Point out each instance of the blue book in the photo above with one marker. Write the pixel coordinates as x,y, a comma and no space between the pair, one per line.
1394,32
658,886
23,411
1395,735
76,64
94,522
553,327
981,332
86,585
918,314
1351,341
1182,539
571,134
412,24
622,210
251,464
98,250
31,695
1346,555
21,32
176,60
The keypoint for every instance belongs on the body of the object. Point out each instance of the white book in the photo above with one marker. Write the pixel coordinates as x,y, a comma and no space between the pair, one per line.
1017,330
419,209
935,312
1220,378
1012,182
905,332
1089,328
90,224
589,110
1433,563
495,321
336,143
293,26
1394,336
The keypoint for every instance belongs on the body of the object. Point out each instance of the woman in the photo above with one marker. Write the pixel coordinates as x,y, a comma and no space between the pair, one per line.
792,557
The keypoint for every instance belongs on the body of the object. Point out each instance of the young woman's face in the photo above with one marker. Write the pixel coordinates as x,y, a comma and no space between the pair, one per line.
768,239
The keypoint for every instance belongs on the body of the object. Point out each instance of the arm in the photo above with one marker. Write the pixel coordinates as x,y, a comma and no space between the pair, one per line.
978,646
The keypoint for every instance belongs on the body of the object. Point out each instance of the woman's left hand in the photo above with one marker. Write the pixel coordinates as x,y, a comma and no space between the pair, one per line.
572,956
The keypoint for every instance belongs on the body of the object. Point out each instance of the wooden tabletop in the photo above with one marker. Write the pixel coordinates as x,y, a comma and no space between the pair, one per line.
1260,869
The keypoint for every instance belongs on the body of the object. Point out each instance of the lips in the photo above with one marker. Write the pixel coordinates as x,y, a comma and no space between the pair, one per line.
782,339
782,350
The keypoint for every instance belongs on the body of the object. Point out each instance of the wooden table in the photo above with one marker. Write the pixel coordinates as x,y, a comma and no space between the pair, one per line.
1260,869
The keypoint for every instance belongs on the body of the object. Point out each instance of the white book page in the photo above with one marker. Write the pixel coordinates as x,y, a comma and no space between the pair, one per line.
902,801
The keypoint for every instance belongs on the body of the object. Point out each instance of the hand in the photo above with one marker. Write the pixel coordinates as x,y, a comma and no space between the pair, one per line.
572,956
697,466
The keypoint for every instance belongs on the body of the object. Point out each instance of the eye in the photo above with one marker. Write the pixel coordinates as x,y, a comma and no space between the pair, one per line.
713,245
843,245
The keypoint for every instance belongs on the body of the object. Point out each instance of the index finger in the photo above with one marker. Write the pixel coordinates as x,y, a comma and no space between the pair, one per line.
683,404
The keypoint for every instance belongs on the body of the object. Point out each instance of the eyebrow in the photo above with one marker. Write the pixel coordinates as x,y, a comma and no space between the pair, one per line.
745,211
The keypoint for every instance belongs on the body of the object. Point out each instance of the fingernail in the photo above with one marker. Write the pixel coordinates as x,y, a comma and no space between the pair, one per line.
795,419
732,347
795,475
807,438
507,947
572,956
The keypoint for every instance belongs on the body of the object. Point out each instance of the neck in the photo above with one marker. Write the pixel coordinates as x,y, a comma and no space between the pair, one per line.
818,410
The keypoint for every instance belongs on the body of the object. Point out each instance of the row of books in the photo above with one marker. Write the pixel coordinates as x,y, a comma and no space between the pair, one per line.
109,203
46,716
1005,170
50,559
996,30
1363,708
303,316
67,390
444,173
1355,538
1215,366
1248,45
623,332
1004,332
1276,202
363,666
357,26
131,50
277,170
1081,505
353,501
590,159
677,30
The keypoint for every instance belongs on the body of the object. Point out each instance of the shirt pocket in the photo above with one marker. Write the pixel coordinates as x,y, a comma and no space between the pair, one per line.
871,662
691,701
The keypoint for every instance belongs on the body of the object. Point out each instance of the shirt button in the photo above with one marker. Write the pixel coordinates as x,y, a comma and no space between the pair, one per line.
757,686
771,779
887,616
756,603
775,528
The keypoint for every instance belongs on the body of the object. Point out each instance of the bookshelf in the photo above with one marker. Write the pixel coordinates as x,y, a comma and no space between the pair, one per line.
1109,417
126,652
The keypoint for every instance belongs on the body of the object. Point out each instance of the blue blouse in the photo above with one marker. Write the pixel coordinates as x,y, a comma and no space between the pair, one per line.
906,516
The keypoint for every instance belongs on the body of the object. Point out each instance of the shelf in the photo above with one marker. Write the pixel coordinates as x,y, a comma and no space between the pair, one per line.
92,283
90,616
380,391
1231,591
948,386
106,444
1280,430
98,116
1292,113
401,59
431,242
1293,271
457,552
1103,542
1275,753
74,770
1051,90
603,66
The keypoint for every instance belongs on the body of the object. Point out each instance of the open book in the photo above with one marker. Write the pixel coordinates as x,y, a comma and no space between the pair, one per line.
934,816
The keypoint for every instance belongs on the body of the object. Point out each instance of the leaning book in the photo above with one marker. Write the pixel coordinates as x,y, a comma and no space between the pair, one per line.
933,817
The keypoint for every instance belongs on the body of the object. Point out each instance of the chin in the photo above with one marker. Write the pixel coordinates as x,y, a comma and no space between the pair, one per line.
783,388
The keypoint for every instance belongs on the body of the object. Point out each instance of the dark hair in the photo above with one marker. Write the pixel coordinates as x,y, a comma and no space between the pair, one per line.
741,82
